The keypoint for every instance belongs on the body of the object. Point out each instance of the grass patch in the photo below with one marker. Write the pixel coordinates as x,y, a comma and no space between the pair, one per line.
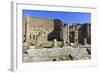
49,44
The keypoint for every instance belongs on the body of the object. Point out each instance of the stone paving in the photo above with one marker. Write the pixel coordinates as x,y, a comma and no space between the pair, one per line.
56,54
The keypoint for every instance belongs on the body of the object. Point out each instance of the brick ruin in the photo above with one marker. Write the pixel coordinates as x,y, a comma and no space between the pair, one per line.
80,33
38,31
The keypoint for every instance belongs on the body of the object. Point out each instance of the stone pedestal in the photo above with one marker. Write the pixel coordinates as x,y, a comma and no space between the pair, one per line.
64,44
32,47
85,41
54,43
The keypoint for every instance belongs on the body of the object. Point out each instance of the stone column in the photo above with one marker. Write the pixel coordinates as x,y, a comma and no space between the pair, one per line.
76,37
65,35
55,43
85,41
24,29
27,29
68,35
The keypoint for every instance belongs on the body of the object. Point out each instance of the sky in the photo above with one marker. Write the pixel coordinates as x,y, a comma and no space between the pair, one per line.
66,17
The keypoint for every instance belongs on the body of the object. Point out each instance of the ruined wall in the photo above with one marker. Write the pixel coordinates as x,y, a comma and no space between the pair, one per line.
55,29
79,33
41,23
36,25
64,34
23,28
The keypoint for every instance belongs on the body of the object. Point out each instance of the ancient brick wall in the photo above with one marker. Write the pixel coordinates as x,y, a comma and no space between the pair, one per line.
80,32
36,25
